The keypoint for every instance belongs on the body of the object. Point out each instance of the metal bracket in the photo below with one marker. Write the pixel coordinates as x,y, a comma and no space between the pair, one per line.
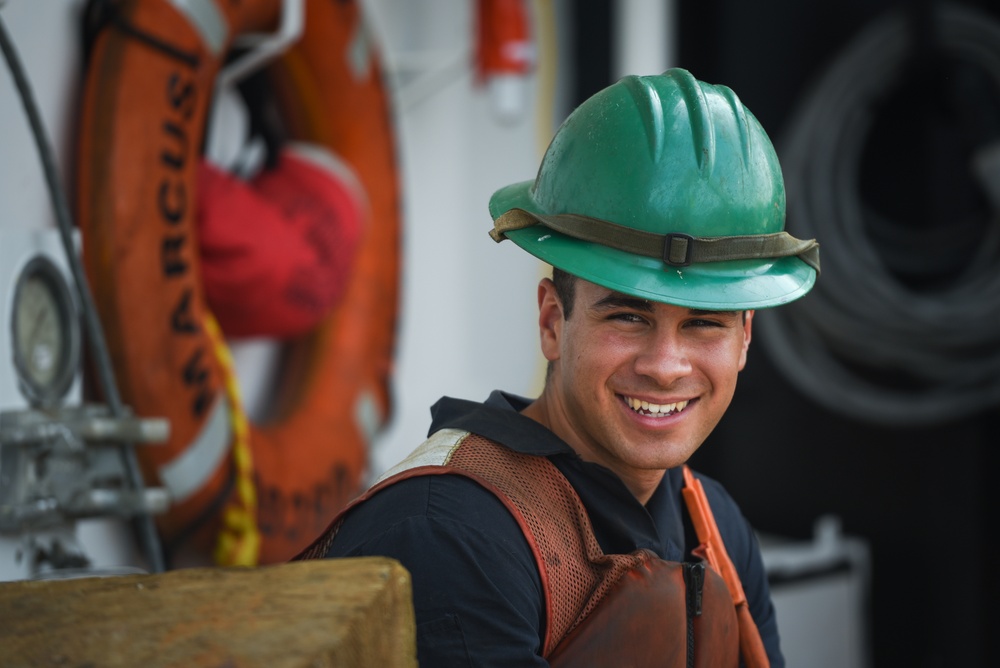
62,465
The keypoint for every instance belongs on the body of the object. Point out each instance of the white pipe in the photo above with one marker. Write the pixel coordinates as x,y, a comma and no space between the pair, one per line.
644,40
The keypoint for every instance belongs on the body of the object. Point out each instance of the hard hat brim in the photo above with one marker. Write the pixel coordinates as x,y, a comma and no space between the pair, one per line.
730,285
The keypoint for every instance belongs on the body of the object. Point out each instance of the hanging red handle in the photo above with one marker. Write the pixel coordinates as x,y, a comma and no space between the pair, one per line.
503,44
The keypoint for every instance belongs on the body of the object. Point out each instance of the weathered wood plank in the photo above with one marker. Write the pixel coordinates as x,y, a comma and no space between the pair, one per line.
332,612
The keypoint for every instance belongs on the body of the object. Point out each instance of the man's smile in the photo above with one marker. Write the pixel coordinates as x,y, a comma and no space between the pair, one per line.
654,410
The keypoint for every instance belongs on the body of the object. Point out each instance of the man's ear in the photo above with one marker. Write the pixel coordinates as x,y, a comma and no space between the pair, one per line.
550,319
747,330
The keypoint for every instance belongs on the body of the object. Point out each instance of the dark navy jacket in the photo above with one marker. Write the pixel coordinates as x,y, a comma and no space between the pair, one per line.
476,590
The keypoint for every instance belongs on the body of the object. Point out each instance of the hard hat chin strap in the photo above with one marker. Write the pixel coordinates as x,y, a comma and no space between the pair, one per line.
676,250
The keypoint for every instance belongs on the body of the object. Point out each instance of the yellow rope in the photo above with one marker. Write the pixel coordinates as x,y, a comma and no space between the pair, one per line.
238,542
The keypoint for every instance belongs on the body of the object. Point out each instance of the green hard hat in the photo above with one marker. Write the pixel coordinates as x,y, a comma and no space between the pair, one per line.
664,188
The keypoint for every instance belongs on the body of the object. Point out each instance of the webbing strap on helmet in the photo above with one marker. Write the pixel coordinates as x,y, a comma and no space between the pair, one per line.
676,250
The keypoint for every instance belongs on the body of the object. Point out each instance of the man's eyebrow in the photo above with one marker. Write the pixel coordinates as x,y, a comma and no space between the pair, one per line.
620,300
698,311
615,300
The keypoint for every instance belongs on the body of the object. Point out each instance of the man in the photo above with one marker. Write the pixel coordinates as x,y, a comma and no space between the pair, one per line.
567,530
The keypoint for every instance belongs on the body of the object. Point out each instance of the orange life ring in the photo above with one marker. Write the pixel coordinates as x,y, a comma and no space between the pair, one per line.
148,88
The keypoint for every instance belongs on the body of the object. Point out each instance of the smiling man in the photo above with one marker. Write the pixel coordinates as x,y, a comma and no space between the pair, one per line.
568,530
635,385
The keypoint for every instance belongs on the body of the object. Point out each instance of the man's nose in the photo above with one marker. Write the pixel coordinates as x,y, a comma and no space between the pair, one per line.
663,358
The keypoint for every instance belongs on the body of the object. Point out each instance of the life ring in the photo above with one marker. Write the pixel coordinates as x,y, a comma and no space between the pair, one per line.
148,87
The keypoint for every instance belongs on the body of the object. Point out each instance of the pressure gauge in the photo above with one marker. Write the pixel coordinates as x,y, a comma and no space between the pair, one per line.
45,332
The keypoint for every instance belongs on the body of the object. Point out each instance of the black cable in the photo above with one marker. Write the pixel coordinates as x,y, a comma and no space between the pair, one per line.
145,528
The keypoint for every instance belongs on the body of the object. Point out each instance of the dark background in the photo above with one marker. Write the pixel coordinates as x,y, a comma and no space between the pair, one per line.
924,498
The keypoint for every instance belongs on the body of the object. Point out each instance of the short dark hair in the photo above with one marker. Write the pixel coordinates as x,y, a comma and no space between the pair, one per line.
565,288
565,284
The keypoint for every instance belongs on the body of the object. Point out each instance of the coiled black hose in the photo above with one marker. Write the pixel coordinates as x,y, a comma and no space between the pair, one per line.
865,343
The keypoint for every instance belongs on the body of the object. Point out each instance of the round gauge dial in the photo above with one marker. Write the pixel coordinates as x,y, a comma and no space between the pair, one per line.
45,332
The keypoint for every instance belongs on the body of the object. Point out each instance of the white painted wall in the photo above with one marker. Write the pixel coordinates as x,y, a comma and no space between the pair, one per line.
46,33
468,304
49,50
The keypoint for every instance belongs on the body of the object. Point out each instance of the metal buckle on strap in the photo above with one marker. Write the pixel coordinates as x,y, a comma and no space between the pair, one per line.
677,249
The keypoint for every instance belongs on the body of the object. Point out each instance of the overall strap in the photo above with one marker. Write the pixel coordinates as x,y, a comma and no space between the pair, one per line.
714,552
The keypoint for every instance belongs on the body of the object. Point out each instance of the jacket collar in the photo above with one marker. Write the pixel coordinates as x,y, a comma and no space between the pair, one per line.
498,419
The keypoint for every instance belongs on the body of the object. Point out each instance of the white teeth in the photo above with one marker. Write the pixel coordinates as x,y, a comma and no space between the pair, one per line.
655,409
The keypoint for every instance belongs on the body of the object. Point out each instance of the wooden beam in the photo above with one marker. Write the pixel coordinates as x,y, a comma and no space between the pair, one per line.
329,612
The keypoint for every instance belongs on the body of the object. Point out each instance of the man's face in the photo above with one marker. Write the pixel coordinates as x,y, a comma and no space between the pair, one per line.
637,385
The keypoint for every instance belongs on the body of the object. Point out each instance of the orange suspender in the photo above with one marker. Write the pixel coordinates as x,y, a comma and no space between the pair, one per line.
714,552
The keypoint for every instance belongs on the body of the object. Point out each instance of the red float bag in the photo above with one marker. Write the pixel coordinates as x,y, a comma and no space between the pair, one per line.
277,251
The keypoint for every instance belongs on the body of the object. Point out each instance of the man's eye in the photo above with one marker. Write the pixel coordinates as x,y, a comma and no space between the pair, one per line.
628,317
700,322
